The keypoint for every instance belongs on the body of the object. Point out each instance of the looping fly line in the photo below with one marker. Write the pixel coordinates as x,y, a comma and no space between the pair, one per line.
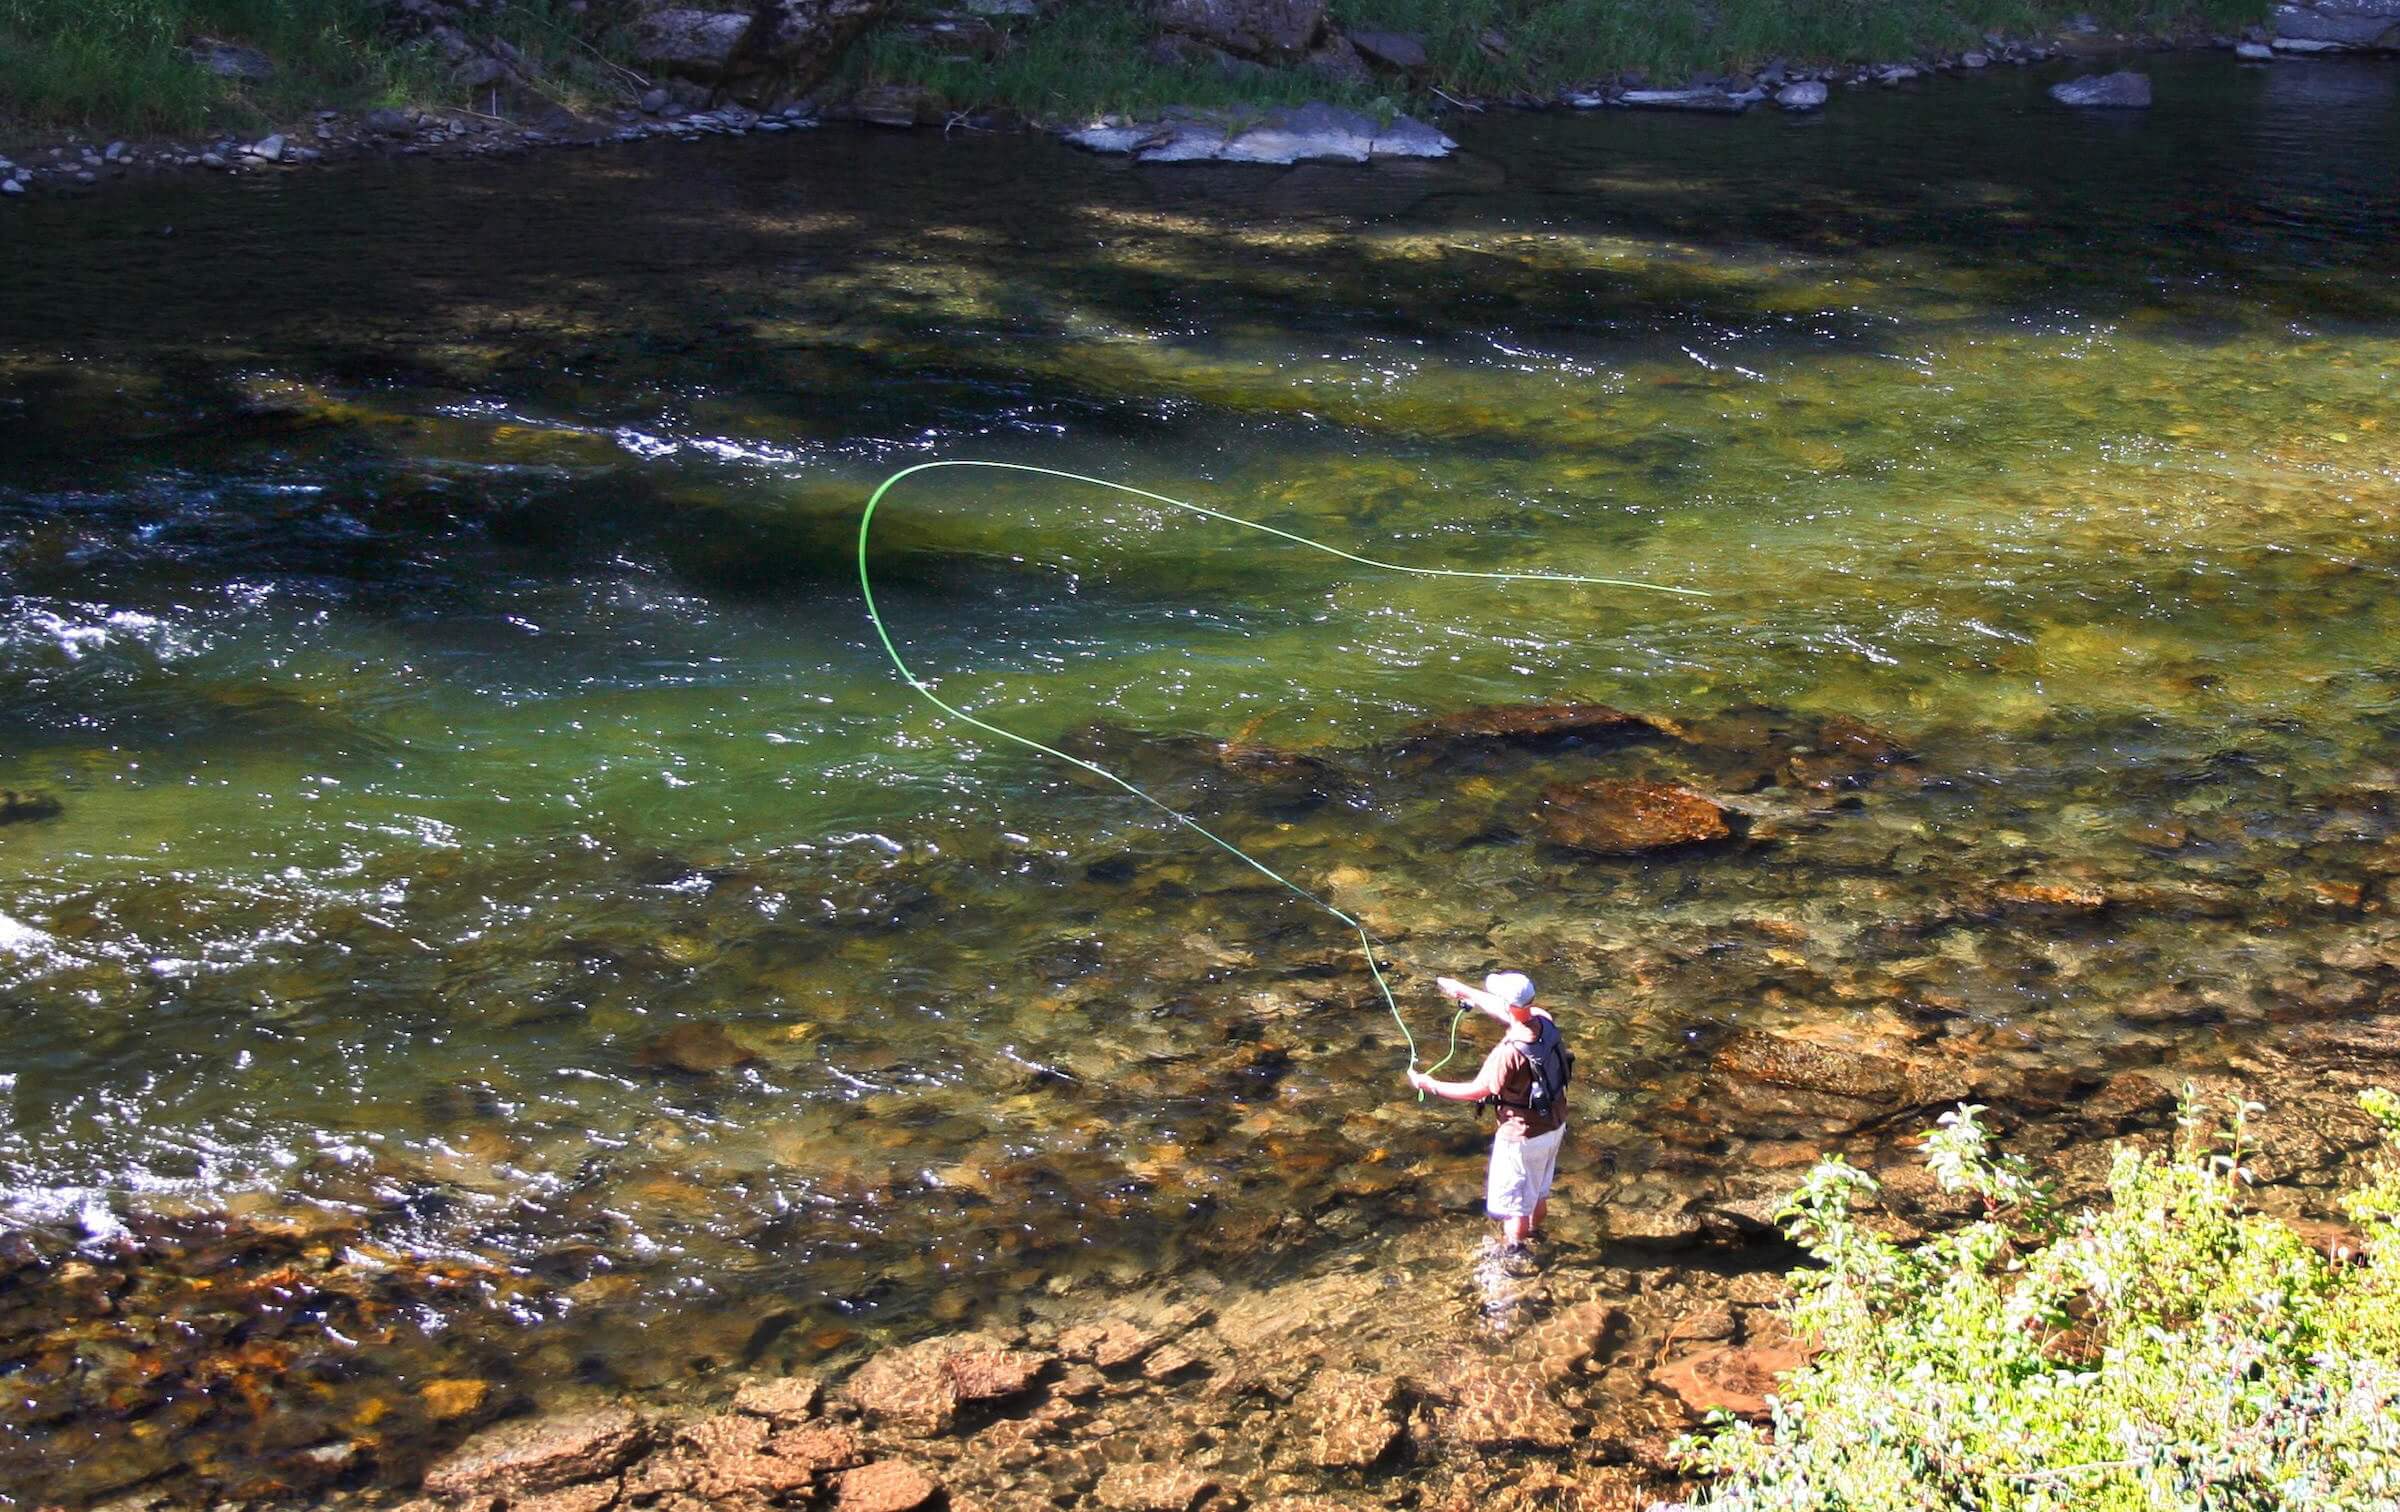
924,690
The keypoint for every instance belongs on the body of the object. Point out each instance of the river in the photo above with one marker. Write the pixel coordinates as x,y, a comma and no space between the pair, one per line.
468,839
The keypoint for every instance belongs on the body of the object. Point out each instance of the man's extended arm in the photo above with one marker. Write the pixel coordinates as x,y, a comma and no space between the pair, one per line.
1474,997
1486,1083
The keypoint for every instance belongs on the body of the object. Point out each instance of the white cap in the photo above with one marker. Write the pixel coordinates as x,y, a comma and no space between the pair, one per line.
1514,988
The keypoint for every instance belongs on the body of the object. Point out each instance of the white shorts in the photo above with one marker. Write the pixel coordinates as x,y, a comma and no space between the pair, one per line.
1521,1173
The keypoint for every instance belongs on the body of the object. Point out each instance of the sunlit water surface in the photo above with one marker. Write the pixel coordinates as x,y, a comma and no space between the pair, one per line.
426,594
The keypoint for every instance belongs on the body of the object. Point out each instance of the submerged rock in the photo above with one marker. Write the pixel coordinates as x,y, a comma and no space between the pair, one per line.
540,1454
695,1049
1353,1418
885,1486
21,808
1153,1488
1537,725
1616,816
2123,90
786,1399
921,1386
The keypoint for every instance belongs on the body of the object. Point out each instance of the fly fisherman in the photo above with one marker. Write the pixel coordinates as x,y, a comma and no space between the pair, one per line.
1524,1080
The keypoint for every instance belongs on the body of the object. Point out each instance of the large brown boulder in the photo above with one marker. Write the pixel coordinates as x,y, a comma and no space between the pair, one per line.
1252,28
1627,816
792,41
539,1454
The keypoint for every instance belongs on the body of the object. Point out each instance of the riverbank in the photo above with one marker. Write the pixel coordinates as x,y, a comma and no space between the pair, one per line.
84,96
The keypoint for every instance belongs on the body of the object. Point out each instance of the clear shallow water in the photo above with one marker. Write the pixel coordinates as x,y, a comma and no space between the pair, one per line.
427,596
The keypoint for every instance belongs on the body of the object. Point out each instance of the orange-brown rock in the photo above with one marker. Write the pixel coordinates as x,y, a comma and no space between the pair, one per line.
1148,1487
1616,816
1730,1378
920,1386
1107,1345
590,1496
721,1458
453,1397
1495,1405
785,1399
822,1447
885,1486
539,1454
1353,1418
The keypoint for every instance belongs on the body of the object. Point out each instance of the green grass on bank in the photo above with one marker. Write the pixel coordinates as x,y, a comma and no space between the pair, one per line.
125,65
1086,56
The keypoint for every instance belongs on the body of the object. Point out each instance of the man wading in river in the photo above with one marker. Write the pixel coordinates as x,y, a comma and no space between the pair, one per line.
1524,1080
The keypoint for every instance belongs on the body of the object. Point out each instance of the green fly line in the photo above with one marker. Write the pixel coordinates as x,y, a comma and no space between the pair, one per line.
1366,942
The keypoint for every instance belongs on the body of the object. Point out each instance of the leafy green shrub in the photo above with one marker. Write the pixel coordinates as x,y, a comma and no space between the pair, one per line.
2168,1350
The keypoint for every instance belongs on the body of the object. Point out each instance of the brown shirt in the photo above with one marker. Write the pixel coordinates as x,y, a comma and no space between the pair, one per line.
1516,1087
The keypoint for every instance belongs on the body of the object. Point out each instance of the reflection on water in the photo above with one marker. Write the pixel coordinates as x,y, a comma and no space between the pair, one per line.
489,850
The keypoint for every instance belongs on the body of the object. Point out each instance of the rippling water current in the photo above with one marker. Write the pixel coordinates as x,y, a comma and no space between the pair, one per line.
463,823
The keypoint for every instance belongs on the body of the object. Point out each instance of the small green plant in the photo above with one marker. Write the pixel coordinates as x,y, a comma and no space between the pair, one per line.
2169,1350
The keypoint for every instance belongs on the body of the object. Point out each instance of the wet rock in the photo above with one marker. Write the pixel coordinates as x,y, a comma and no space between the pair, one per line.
823,1447
1843,754
2123,90
1254,28
786,1399
1807,94
453,1398
269,149
2253,52
895,105
1494,1405
1313,132
591,1496
1400,51
1537,726
1353,1418
1708,101
1167,1362
2040,899
1730,1378
1153,1488
1754,1055
1107,1345
540,1454
23,808
885,1486
719,1459
696,1049
2346,23
921,1386
1628,817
